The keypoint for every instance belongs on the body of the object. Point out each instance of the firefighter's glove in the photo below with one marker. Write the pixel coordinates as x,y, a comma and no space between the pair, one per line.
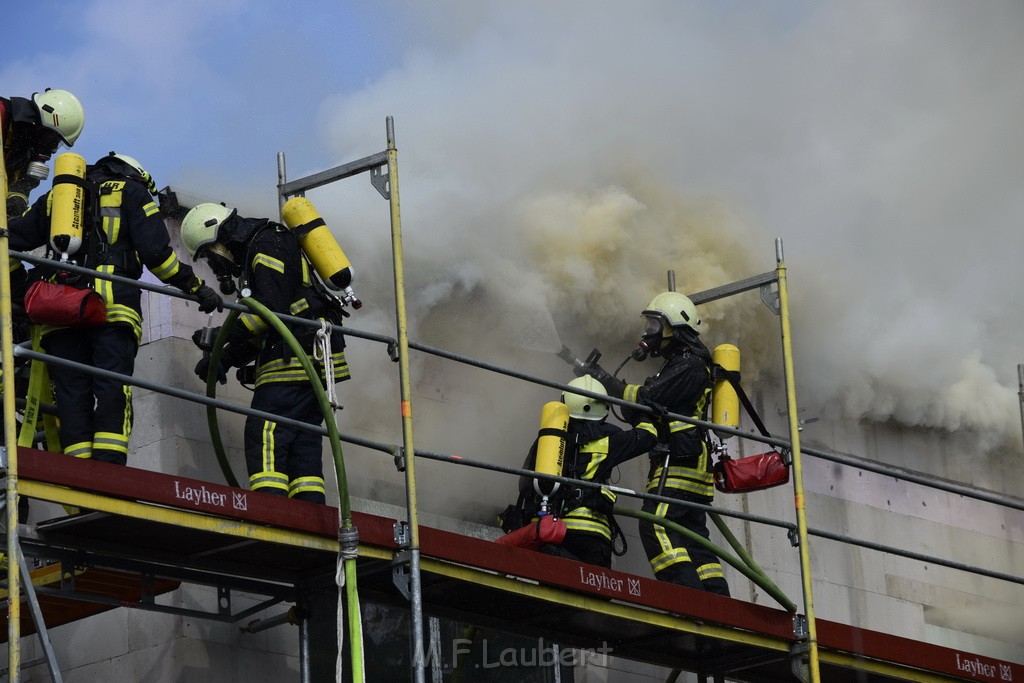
613,386
660,411
203,370
208,298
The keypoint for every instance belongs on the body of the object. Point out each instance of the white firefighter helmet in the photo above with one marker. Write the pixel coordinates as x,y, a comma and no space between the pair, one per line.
585,407
129,166
675,309
61,112
201,225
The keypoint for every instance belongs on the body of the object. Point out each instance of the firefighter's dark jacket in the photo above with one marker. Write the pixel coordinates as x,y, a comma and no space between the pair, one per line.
130,234
683,387
279,277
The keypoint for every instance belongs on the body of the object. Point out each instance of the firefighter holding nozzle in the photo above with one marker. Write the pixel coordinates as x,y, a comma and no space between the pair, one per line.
681,466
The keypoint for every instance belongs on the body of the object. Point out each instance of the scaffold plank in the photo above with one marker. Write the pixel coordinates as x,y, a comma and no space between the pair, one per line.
480,581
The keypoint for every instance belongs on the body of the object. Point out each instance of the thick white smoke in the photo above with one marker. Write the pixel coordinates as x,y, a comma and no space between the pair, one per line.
557,161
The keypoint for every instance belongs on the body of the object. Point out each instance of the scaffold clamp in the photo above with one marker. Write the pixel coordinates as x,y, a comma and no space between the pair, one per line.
401,530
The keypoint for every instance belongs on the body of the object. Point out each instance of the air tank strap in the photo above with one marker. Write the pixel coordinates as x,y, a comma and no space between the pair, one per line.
550,431
306,228
733,378
72,179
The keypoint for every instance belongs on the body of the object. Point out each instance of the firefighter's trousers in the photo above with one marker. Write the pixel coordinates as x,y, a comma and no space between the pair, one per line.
285,460
95,413
675,558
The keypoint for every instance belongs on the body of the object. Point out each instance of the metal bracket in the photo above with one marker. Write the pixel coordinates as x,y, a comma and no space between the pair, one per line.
794,538
400,575
393,351
400,459
798,651
401,530
770,297
800,629
401,578
380,181
3,459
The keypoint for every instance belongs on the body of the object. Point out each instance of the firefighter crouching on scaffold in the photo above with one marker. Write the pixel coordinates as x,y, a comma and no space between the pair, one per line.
590,450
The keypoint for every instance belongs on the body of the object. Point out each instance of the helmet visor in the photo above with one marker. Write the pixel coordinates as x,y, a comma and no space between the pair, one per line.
653,326
47,141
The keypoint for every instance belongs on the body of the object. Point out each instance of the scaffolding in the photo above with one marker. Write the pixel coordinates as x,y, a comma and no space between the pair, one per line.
222,537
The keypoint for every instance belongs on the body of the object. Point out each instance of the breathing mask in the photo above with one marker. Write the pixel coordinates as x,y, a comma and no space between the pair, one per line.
653,338
222,263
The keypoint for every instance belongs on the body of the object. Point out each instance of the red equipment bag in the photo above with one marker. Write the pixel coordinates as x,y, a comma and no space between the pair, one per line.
547,529
51,303
753,473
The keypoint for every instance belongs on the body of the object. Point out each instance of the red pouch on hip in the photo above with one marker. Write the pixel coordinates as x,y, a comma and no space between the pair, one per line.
753,473
52,303
547,529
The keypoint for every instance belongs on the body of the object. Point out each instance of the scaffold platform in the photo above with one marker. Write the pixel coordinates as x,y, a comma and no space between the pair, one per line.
141,534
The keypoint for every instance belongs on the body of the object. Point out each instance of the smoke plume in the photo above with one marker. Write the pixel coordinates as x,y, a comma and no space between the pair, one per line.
552,183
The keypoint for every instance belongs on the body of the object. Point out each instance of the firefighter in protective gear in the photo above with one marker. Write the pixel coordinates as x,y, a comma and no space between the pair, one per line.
267,258
596,449
682,386
33,129
123,233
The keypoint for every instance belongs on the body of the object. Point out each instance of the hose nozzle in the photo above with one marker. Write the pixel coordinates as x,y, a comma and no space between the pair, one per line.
567,355
579,367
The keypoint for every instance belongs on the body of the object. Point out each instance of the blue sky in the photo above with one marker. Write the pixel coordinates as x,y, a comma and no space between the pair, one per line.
209,84
580,149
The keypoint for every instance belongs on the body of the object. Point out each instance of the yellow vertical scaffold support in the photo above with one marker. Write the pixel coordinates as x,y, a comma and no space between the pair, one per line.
416,625
10,438
798,481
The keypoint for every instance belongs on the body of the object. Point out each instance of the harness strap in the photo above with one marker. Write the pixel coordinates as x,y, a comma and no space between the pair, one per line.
733,378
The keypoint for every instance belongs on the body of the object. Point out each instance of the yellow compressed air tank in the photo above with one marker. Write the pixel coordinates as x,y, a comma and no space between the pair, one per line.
725,402
67,213
316,240
551,442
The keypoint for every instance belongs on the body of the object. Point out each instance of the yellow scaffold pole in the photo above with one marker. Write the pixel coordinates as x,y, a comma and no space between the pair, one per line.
798,481
10,437
415,595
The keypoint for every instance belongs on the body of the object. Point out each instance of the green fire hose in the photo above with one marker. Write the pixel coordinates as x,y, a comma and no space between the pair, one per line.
751,570
347,533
